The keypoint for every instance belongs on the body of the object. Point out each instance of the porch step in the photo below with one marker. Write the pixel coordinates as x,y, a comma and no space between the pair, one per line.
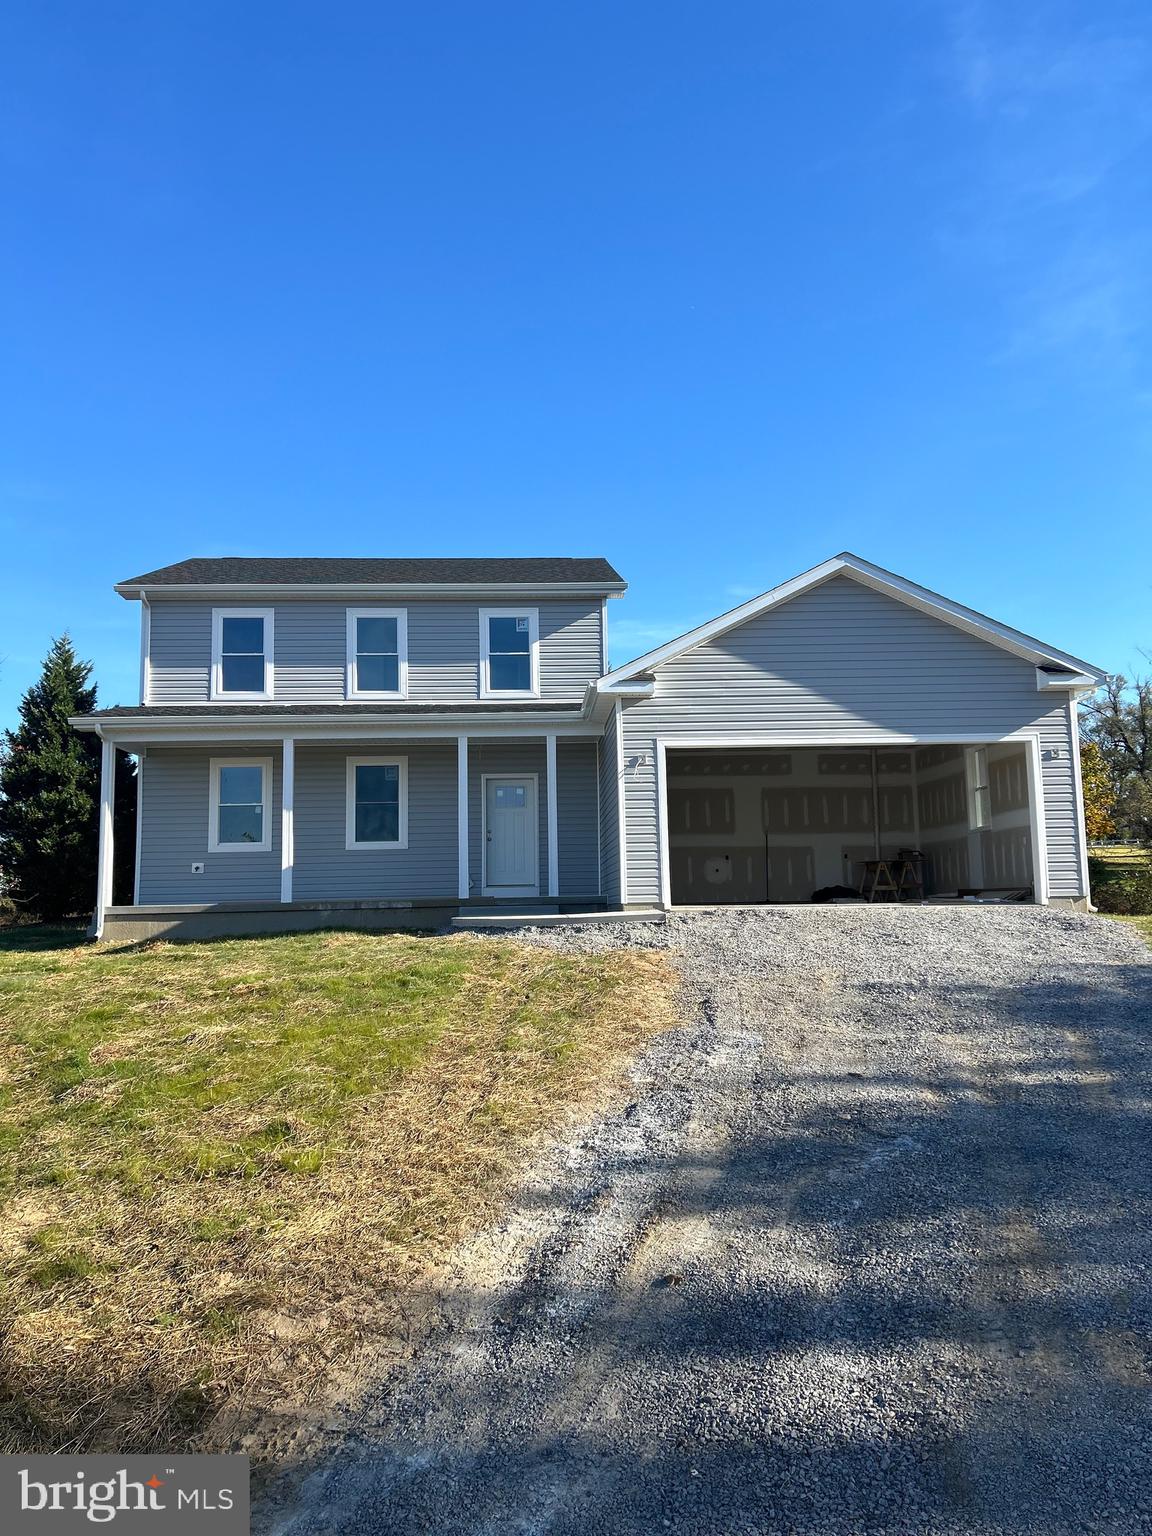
552,918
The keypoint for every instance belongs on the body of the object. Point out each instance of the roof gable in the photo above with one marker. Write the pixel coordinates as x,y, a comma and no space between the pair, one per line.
852,566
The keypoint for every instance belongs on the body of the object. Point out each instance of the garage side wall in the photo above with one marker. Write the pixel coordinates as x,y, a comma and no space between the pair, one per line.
844,660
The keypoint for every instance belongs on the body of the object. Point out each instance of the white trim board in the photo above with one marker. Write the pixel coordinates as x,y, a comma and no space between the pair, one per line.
1030,739
221,732
140,756
886,582
369,590
145,651
1081,827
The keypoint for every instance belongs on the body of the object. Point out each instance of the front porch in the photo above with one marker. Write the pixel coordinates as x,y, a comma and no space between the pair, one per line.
476,822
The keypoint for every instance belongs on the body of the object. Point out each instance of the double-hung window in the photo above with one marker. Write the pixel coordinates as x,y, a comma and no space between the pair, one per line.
242,653
509,652
239,815
377,814
377,653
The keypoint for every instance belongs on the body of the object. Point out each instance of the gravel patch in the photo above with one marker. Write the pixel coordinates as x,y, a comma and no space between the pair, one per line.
866,1250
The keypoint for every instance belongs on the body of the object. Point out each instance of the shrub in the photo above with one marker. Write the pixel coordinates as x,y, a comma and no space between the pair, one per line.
1124,890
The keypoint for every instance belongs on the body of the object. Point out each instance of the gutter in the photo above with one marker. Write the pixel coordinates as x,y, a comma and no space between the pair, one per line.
133,592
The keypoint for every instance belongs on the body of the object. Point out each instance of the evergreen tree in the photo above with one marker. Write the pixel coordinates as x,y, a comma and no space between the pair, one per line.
49,790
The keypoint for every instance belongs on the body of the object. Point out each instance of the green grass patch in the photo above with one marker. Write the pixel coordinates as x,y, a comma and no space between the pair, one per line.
210,1151
1142,925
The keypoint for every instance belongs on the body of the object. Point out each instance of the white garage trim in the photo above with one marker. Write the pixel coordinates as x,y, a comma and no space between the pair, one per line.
1030,739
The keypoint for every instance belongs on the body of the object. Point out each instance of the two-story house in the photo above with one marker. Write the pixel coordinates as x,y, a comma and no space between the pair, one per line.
384,742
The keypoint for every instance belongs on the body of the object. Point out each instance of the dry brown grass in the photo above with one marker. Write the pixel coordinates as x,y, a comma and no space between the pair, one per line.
222,1165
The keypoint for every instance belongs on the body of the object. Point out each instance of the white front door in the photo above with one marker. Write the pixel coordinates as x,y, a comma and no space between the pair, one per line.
511,836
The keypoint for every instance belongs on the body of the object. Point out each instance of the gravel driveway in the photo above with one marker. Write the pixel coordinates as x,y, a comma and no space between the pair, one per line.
869,1250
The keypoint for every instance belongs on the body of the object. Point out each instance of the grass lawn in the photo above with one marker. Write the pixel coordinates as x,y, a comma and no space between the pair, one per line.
219,1161
1141,924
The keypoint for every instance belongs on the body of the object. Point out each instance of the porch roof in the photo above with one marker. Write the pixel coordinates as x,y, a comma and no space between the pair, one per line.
266,712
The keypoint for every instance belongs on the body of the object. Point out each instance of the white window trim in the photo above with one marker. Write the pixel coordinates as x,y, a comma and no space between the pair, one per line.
214,766
375,761
218,616
352,690
533,617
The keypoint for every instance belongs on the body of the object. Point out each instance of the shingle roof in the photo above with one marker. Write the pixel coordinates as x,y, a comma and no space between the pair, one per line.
402,572
400,707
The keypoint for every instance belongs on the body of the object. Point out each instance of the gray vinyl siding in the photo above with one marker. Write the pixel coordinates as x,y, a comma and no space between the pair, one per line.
311,652
569,648
311,641
174,832
443,651
180,652
328,871
578,829
174,826
609,771
844,658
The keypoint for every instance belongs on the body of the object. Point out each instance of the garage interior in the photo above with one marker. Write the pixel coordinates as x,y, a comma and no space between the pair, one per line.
790,824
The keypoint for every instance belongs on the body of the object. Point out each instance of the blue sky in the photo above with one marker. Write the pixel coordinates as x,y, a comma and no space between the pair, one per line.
713,290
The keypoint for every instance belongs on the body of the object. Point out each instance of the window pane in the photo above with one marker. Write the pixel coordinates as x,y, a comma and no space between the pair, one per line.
242,635
509,673
378,674
377,823
510,797
508,635
241,824
376,635
241,785
378,781
242,674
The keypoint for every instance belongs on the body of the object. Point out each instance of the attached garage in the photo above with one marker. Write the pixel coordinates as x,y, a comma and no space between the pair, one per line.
845,718
783,824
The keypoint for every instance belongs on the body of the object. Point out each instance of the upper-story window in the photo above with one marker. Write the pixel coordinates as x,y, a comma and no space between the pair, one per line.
509,652
377,653
242,653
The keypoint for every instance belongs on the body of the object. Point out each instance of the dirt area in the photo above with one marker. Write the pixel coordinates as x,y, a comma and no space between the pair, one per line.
868,1249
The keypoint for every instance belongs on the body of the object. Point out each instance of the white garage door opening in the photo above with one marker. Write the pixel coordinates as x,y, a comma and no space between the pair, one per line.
793,824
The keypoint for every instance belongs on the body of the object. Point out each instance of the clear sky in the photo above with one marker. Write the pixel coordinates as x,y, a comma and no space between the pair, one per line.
713,289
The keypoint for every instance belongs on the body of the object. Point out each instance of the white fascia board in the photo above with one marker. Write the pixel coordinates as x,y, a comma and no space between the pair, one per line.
254,592
260,728
886,582
599,702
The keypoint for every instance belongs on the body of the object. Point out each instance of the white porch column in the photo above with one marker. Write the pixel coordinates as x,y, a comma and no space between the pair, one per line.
104,855
463,886
553,816
141,753
287,817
